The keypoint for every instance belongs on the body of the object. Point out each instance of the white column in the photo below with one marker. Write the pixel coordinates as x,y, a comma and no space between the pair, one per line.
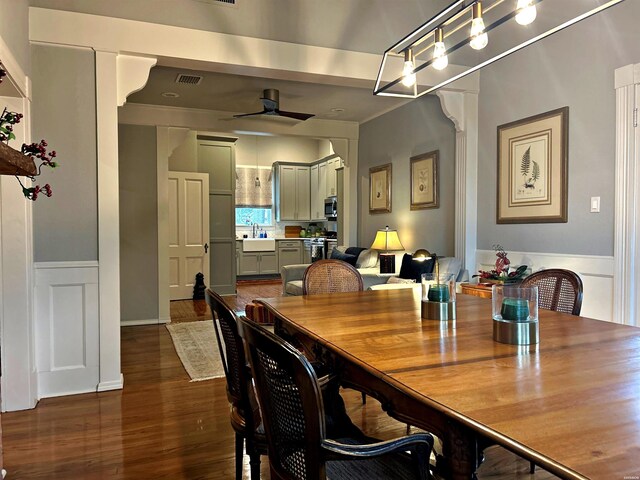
462,109
108,220
627,201
19,380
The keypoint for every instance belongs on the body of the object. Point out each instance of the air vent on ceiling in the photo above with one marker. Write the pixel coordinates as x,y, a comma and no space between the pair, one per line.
219,2
186,79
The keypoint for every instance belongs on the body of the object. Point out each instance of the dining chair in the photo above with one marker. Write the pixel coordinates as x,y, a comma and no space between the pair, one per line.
331,276
245,417
558,290
289,396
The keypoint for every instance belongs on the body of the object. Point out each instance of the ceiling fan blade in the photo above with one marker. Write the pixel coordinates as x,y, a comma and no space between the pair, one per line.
250,114
296,115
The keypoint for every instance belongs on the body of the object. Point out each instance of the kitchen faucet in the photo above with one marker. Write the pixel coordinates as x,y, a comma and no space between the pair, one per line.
254,230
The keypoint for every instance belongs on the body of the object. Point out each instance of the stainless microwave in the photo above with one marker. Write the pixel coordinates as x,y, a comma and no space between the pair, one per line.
331,208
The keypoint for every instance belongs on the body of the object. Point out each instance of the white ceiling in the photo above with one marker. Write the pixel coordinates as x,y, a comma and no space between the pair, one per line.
358,25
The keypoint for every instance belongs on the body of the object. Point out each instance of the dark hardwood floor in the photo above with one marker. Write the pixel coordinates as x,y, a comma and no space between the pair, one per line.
161,425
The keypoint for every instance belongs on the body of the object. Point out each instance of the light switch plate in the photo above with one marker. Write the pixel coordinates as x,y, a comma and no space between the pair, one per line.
595,204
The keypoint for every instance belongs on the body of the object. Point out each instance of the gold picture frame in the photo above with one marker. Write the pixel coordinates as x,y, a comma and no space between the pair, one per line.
380,189
533,169
424,180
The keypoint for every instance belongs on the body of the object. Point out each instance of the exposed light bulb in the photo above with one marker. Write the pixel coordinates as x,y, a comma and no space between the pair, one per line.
408,77
440,60
526,12
479,38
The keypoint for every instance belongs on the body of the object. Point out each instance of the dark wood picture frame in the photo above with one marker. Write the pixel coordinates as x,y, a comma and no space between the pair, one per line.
424,180
533,161
380,189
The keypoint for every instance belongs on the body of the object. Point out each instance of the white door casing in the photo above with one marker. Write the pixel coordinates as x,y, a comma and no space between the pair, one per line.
627,197
188,231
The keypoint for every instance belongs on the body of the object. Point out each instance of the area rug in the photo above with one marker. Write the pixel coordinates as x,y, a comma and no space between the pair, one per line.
196,345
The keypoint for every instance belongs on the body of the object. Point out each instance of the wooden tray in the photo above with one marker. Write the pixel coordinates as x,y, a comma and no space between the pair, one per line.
292,231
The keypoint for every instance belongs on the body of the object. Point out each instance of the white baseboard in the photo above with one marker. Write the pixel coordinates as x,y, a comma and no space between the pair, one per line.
595,271
137,323
114,385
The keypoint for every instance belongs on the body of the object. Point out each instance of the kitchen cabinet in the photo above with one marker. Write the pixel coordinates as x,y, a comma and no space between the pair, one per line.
258,263
289,253
238,253
317,205
331,187
293,192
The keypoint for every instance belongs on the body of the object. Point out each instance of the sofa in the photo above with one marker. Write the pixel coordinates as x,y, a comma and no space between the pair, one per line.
368,265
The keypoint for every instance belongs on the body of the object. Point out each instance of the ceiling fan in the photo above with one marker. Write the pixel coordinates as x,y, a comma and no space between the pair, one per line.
270,102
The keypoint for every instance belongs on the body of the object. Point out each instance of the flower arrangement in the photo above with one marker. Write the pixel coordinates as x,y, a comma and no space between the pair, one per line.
35,151
503,273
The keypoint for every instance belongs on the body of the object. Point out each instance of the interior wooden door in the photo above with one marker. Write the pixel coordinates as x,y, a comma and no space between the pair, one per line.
188,231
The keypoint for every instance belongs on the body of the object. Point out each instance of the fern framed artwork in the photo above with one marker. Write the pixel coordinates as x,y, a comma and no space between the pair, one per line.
424,181
533,169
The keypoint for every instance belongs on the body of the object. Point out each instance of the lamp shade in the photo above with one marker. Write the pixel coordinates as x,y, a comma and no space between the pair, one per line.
387,240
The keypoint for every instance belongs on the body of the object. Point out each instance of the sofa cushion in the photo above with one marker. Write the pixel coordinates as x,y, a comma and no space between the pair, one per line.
400,280
415,268
294,287
367,259
345,257
450,266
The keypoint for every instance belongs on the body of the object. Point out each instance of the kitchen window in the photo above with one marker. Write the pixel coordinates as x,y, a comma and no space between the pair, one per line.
254,197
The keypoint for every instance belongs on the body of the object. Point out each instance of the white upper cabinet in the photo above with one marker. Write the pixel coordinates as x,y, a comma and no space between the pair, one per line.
292,192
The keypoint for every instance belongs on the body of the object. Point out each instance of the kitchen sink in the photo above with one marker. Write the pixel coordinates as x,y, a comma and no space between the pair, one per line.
258,244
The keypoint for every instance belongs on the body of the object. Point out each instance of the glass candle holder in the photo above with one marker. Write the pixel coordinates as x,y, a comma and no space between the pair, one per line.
515,314
438,296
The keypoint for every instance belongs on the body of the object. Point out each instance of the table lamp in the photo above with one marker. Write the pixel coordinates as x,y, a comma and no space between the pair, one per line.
387,241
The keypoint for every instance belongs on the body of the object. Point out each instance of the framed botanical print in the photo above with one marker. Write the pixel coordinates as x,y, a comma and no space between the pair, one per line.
380,189
533,169
424,181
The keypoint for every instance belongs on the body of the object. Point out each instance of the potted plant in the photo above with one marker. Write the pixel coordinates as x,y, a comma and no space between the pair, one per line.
23,162
503,273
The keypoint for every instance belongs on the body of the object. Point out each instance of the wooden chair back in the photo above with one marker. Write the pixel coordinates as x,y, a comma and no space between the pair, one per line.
558,290
331,276
290,400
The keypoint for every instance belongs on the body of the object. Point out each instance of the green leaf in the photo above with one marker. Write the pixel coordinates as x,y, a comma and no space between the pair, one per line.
526,162
536,171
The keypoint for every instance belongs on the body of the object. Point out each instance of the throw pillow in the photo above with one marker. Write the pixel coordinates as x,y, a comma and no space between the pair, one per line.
345,257
414,268
354,251
367,259
400,280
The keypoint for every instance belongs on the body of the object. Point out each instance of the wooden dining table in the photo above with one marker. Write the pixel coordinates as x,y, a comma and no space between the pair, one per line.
570,403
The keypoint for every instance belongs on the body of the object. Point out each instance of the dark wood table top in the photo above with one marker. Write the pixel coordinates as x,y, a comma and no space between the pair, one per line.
573,399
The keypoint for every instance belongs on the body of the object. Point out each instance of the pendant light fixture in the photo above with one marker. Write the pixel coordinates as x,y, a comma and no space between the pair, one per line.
479,38
527,12
408,79
440,59
439,44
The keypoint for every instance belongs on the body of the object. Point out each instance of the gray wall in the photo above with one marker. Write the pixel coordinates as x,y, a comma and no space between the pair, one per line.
14,30
416,128
138,222
65,226
573,68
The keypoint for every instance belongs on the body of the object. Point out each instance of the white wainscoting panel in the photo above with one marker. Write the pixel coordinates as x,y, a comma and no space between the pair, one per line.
67,328
596,273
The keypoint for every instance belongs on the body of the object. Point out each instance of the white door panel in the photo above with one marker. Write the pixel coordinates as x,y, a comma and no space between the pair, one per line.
188,231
